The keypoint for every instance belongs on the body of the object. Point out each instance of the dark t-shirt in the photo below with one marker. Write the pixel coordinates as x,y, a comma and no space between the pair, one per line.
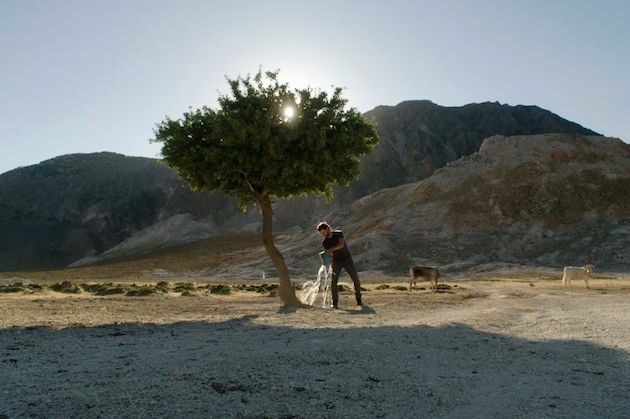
338,255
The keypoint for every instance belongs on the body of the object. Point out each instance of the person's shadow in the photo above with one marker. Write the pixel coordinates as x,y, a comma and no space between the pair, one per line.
364,309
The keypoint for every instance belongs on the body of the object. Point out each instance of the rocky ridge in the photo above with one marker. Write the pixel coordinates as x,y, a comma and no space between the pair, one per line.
90,207
548,200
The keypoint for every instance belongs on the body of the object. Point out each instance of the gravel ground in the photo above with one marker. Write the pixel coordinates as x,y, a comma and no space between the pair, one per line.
501,349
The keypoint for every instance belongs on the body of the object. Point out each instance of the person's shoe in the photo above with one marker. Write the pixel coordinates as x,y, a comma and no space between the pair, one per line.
334,306
359,303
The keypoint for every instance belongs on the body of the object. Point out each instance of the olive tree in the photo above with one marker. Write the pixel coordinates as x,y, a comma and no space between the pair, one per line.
267,141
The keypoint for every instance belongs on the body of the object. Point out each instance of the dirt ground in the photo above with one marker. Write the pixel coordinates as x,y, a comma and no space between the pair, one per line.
504,348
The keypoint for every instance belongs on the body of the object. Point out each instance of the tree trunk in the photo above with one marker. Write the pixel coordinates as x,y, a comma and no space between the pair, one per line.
285,290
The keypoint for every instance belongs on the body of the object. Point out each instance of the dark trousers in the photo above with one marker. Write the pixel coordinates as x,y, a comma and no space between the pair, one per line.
348,265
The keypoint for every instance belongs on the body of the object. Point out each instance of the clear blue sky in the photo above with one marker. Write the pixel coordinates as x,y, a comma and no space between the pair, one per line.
80,76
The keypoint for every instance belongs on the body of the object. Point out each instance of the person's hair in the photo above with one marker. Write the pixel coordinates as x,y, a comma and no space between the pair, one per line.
322,225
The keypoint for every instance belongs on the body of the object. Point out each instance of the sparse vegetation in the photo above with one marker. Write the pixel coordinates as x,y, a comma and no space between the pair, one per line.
103,289
66,287
11,288
111,291
141,291
443,287
134,290
220,289
163,286
183,287
263,288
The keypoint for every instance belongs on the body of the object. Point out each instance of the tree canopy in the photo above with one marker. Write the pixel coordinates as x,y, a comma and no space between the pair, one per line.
250,145
267,141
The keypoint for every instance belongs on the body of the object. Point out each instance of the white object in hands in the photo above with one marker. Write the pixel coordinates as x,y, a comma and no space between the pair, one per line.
310,289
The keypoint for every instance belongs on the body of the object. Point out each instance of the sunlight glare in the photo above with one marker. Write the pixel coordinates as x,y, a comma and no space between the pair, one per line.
288,111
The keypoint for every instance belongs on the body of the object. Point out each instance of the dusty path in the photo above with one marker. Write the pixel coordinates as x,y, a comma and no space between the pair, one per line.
487,349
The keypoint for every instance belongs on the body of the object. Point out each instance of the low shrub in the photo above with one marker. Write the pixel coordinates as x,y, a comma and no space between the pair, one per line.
184,286
264,288
220,289
11,288
103,289
19,287
66,287
163,286
111,291
140,291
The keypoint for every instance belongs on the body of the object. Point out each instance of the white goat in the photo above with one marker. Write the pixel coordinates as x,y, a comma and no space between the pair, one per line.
427,273
575,272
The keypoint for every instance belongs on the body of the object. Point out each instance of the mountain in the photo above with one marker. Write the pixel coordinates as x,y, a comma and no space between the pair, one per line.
417,137
83,208
549,200
80,205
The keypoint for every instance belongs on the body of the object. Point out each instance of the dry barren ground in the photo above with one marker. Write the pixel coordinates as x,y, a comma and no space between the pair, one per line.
507,348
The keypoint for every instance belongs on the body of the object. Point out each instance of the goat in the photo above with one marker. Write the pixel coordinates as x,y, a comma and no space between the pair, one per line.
427,273
575,272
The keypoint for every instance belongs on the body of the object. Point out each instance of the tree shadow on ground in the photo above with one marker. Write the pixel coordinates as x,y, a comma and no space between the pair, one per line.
238,368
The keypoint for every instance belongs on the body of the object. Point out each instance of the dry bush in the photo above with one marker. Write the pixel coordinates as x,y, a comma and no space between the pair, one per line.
141,291
66,287
220,289
11,288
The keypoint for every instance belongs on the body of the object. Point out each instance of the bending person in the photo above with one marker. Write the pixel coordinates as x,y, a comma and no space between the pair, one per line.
335,245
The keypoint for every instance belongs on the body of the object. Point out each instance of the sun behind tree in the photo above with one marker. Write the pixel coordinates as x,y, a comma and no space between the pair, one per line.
288,111
267,141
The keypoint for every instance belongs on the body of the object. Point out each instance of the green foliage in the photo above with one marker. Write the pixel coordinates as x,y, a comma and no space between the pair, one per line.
220,289
66,287
141,291
163,286
19,287
248,147
11,288
265,288
104,289
111,291
261,289
186,289
184,286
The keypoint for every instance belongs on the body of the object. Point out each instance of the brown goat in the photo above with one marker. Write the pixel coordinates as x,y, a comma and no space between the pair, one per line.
427,273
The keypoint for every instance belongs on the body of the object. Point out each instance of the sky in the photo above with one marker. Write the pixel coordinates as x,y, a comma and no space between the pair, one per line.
83,76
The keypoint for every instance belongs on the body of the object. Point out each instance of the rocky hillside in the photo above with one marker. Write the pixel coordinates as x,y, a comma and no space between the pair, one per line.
418,137
544,200
86,207
80,205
